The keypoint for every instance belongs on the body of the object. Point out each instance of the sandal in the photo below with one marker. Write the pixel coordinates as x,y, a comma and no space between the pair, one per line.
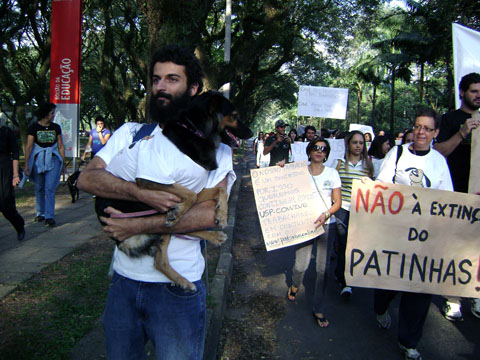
291,295
321,320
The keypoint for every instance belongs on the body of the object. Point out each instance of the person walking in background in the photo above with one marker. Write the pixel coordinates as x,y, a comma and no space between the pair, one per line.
407,137
262,160
455,142
278,145
355,166
415,158
326,193
310,133
98,137
45,161
377,151
9,178
258,140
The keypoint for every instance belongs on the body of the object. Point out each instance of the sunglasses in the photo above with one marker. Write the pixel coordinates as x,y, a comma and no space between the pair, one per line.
319,148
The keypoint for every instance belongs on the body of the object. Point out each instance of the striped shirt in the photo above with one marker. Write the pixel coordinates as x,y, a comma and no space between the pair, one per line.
354,172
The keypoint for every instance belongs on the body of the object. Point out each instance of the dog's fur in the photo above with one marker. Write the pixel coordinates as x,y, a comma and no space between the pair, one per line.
197,133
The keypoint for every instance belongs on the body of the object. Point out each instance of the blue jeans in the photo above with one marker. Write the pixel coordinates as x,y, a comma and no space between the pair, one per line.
172,318
45,186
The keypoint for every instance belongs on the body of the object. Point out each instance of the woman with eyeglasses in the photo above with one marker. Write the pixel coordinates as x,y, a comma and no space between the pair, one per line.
413,164
326,184
355,166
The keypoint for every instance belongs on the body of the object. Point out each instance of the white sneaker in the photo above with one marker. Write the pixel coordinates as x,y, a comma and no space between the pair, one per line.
384,321
452,311
475,307
410,354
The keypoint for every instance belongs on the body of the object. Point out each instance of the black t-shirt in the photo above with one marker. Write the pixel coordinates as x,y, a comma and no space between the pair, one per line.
459,159
45,136
279,152
9,149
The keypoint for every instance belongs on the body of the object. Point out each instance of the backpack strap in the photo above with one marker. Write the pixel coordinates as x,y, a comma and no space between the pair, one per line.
145,130
399,153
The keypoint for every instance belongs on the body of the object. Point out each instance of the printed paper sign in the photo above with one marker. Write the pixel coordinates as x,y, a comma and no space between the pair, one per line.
413,239
285,205
322,102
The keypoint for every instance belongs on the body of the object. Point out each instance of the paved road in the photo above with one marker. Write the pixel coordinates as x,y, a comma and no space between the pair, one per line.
76,223
261,323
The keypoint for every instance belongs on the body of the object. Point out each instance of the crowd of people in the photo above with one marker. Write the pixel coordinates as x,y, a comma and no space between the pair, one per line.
438,148
174,318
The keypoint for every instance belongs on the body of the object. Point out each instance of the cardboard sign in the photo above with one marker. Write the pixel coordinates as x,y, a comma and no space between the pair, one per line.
337,151
322,102
285,205
474,183
413,239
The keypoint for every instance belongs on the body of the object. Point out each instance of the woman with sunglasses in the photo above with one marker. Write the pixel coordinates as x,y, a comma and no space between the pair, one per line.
326,184
355,166
417,164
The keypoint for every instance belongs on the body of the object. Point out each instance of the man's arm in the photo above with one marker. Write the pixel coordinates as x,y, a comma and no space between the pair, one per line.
267,149
200,216
98,181
448,146
89,146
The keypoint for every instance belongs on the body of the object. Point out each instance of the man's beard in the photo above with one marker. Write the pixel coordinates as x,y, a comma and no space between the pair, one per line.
470,104
161,112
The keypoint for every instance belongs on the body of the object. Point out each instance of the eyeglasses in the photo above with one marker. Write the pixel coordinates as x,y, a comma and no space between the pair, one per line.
424,128
319,148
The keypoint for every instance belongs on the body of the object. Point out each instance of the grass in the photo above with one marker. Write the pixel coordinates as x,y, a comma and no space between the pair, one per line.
46,316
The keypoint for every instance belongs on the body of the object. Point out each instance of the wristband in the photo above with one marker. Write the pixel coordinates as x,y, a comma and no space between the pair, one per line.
16,176
327,215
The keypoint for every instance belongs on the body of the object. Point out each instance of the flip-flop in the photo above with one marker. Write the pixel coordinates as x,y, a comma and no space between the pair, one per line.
291,293
321,321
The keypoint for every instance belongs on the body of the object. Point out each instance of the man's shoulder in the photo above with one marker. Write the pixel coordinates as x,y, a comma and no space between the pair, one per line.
455,115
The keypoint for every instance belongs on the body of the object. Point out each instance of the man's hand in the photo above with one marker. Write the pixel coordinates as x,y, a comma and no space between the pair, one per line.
281,163
121,229
468,126
159,200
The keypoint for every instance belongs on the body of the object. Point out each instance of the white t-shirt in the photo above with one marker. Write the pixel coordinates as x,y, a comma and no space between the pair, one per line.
377,163
430,170
183,252
325,182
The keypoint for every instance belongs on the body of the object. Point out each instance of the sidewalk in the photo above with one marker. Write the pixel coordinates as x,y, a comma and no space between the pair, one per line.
19,261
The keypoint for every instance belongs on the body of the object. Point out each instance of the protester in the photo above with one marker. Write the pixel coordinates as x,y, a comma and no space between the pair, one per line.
355,166
257,141
407,136
172,318
98,137
326,193
368,137
10,178
381,133
278,145
45,161
415,158
377,151
293,135
262,160
455,142
310,133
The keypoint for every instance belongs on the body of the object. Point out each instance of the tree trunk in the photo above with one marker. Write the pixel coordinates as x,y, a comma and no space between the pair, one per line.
392,101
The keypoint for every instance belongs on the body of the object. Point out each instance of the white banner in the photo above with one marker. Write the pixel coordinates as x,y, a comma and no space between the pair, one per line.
466,54
322,102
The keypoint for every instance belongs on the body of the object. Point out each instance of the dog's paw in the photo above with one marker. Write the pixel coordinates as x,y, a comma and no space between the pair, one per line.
186,285
217,238
171,218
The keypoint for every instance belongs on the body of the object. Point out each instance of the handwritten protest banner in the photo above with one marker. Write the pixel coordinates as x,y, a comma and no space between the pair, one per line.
474,183
413,239
337,151
285,205
322,102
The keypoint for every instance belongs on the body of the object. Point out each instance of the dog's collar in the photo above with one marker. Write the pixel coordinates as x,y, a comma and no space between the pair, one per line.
197,132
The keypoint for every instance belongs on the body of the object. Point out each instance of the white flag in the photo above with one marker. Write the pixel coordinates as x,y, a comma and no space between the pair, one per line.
466,54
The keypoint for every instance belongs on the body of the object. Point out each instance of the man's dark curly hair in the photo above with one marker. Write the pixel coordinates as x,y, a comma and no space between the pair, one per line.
181,56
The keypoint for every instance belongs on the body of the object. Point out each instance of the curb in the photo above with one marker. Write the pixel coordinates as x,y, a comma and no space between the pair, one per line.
221,280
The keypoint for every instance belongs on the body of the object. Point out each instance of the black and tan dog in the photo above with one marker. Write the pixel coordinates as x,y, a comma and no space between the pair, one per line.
196,132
